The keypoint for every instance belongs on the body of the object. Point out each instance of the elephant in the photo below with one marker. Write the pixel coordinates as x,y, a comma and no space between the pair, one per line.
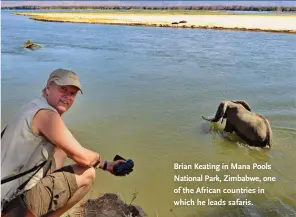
251,127
30,45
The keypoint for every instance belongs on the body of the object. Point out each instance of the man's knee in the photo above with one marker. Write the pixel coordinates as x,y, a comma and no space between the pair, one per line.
90,175
84,176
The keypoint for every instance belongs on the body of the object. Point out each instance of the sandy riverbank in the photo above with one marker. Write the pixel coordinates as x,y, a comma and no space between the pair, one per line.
267,23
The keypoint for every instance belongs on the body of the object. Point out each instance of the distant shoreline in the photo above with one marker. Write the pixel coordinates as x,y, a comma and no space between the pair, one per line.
178,7
259,23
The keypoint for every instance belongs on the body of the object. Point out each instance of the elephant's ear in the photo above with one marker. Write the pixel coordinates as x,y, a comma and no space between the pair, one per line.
243,103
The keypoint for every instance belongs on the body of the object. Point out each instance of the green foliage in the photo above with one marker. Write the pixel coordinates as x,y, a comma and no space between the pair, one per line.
171,8
135,194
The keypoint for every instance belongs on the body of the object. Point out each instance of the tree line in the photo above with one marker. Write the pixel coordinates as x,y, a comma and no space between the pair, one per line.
211,8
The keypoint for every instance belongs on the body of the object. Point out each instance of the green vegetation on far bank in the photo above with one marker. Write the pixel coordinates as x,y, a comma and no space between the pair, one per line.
164,8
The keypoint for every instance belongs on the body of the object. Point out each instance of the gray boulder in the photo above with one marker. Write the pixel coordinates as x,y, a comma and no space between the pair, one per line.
31,45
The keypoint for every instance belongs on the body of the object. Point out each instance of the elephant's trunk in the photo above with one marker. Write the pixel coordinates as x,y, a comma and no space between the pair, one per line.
219,114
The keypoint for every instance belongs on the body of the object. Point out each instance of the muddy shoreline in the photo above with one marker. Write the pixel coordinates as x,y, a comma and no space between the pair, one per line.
107,205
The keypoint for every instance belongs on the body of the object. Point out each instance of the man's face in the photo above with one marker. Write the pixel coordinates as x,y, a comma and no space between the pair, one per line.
61,97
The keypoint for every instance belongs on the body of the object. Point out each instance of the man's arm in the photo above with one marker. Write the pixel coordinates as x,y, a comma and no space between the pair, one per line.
51,125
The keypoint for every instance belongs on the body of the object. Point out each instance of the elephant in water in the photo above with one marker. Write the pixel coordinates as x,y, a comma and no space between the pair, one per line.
251,127
30,45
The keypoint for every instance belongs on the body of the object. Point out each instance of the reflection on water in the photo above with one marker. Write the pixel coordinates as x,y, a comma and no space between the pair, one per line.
145,90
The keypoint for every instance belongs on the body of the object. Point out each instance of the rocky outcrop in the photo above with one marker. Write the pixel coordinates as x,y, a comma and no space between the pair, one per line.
31,45
108,205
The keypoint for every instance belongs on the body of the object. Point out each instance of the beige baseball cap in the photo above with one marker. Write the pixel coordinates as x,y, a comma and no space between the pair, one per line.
65,77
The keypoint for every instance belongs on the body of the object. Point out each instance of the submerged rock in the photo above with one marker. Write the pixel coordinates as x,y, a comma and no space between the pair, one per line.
31,45
108,205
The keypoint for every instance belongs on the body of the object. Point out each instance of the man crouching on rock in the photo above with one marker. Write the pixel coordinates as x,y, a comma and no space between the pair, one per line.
35,144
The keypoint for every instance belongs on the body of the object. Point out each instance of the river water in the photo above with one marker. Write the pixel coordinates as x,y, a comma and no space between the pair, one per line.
145,90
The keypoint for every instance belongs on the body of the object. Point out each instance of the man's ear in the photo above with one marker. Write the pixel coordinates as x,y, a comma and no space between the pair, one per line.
47,88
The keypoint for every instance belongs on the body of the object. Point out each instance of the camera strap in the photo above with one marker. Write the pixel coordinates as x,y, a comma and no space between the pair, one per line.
3,132
37,167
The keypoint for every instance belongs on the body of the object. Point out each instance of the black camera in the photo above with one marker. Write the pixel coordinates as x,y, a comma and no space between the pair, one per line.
123,169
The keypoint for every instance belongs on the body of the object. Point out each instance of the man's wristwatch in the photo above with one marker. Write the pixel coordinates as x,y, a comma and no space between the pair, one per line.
105,165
